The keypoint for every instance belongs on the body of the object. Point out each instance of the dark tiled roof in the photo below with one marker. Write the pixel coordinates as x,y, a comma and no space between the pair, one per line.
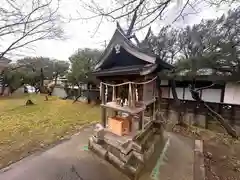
120,39
124,70
143,69
133,58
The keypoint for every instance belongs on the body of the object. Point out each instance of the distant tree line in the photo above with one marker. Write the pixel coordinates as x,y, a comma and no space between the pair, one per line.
32,71
212,45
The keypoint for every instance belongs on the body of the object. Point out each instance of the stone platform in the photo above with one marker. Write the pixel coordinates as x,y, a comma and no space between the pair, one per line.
129,154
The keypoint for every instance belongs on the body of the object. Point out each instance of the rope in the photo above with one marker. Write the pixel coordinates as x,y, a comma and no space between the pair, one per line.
121,84
146,81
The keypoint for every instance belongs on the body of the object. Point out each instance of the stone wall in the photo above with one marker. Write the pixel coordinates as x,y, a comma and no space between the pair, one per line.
189,118
195,113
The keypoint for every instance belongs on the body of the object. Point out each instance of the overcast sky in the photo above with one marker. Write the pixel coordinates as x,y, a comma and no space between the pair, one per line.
80,34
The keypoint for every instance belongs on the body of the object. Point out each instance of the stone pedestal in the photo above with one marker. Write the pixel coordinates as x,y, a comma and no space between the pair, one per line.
131,155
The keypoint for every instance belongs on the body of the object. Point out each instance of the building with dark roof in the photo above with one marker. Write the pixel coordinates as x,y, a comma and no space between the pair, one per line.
123,57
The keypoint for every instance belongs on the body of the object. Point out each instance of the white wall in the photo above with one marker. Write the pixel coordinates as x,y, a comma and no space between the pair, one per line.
232,93
165,93
188,95
211,95
179,93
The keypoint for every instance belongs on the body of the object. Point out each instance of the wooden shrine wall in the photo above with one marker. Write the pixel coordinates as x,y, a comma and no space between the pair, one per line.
148,91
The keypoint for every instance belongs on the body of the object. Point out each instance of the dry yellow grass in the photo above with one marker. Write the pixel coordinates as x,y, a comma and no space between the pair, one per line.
24,129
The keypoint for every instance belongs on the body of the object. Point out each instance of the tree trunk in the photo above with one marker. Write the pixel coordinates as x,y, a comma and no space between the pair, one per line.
79,94
88,93
12,90
2,89
223,122
41,88
214,114
174,93
51,88
55,80
69,93
3,82
178,105
159,93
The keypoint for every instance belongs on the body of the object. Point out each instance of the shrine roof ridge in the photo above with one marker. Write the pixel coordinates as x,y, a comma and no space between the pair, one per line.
127,54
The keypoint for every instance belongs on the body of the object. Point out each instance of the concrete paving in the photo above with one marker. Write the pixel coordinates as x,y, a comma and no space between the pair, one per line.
177,161
174,161
69,161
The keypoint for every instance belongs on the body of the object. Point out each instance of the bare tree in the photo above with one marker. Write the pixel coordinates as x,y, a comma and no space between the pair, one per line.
148,11
166,44
23,22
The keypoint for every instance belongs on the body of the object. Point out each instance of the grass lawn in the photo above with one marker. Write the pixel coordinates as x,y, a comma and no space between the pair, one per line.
24,129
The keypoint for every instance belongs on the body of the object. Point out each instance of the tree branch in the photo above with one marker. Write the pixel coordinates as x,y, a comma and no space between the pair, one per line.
40,23
180,14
